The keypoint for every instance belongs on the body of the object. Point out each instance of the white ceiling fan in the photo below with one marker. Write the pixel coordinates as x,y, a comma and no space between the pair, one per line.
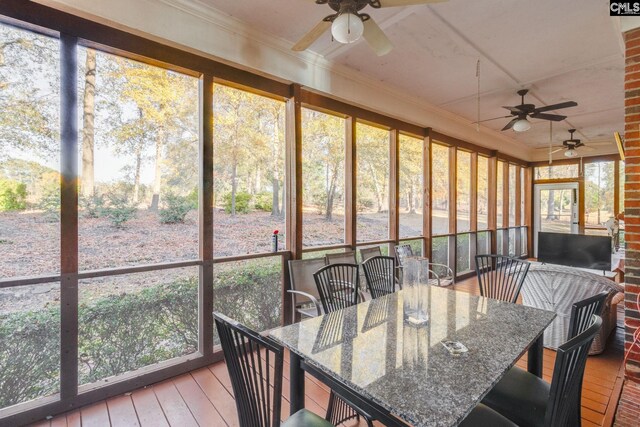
348,24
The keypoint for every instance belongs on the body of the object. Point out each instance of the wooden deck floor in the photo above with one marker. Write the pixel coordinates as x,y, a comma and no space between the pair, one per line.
205,398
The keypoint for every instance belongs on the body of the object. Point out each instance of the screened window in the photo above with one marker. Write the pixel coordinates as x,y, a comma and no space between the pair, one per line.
463,187
373,183
323,160
599,189
557,171
138,142
512,195
248,158
500,195
411,190
483,192
30,154
440,189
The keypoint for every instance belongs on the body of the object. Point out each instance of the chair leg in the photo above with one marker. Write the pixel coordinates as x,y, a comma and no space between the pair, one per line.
339,411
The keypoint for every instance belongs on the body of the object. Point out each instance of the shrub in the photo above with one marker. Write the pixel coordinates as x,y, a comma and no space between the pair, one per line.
263,201
193,198
50,203
119,210
124,332
242,202
92,207
13,195
177,208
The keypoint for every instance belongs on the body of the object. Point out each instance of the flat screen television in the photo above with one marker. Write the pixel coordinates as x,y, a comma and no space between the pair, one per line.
575,250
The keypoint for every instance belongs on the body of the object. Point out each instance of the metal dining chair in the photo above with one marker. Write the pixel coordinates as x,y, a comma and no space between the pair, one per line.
366,253
582,313
338,288
341,258
380,272
501,277
529,401
304,293
255,366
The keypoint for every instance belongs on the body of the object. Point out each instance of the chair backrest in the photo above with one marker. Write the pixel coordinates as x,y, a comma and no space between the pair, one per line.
255,367
501,277
337,286
571,358
402,252
380,274
341,258
301,274
582,313
366,253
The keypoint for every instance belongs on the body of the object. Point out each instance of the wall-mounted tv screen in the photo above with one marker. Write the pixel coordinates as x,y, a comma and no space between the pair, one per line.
575,250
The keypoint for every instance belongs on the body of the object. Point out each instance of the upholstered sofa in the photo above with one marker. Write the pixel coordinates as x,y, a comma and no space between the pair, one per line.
556,288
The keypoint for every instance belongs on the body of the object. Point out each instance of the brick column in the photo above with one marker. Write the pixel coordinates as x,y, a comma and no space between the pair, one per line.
632,197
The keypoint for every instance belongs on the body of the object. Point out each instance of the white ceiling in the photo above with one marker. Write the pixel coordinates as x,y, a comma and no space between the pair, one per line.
560,50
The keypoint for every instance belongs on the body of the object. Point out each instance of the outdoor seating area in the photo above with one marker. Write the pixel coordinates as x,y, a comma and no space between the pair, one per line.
319,213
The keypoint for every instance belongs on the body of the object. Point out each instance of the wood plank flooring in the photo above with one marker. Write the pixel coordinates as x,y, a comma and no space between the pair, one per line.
205,398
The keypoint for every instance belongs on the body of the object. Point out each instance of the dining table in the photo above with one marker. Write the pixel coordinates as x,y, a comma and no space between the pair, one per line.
388,357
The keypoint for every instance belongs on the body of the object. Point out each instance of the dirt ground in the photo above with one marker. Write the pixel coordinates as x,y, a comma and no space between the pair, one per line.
30,246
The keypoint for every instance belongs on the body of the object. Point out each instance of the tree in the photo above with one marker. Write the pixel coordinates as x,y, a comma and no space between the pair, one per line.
323,160
88,121
28,111
411,171
156,112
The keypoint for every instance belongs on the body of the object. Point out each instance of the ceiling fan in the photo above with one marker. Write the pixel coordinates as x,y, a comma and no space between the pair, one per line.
571,145
348,24
519,123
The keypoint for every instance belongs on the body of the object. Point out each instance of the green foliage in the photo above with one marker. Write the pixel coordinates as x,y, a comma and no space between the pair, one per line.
122,333
177,208
50,203
242,202
30,356
119,210
13,195
92,207
263,201
193,197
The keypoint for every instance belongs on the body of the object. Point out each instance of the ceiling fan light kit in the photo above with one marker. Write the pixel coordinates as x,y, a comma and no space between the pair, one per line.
347,28
522,125
570,153
348,24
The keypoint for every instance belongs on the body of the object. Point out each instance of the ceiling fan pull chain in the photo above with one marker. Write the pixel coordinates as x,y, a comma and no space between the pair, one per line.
550,142
478,97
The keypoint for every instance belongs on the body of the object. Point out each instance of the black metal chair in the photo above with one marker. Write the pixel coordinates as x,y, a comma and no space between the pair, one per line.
255,365
530,401
501,277
337,286
380,273
581,318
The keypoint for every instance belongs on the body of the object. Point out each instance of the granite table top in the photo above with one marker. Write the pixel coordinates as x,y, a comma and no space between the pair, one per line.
405,368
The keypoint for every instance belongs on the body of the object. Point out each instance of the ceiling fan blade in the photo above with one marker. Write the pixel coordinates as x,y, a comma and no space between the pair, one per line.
376,38
556,106
557,150
510,124
552,117
488,120
585,148
394,3
311,36
514,110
